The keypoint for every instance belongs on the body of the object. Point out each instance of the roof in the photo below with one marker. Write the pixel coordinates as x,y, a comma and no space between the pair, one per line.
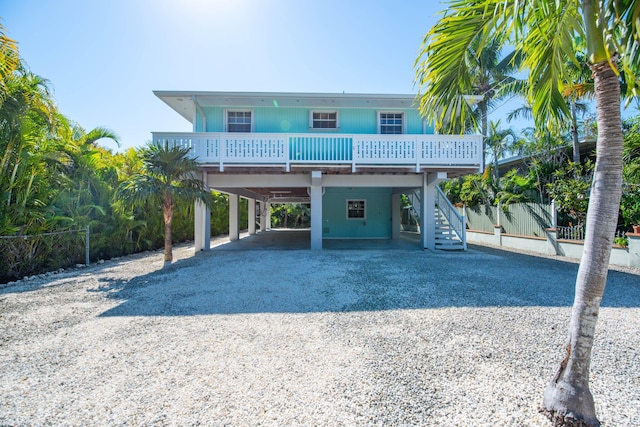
186,103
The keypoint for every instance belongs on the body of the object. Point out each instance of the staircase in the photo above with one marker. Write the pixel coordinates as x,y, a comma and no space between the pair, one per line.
450,229
446,237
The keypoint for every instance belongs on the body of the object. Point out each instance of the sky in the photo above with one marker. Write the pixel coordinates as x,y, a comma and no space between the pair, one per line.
105,57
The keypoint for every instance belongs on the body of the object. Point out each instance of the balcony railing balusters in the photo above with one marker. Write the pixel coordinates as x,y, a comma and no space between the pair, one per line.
355,149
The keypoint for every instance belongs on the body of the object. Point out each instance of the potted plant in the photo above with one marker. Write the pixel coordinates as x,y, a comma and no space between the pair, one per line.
630,210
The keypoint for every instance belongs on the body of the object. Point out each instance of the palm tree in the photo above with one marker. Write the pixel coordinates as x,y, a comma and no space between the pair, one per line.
9,61
169,176
28,159
543,32
486,75
572,92
499,141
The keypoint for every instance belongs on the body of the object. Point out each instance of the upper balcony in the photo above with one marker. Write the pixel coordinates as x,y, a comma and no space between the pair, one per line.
409,152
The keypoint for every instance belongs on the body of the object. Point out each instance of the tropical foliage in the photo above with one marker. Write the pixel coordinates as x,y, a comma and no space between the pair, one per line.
57,179
291,215
570,189
630,202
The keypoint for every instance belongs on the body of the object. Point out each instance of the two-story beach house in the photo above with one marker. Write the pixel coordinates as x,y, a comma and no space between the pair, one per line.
350,156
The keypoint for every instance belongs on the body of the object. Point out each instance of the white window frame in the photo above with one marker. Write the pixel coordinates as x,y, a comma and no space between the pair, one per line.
403,125
364,209
311,121
226,118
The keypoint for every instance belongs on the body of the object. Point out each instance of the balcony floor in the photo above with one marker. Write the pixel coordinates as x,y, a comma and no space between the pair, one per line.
452,172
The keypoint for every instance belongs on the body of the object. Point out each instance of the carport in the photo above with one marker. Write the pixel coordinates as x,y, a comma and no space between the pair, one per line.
290,239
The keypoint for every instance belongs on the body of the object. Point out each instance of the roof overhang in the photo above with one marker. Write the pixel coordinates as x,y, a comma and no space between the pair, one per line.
186,103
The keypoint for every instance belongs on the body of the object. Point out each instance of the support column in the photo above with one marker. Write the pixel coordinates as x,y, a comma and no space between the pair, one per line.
263,215
428,209
316,210
201,227
396,216
252,216
234,217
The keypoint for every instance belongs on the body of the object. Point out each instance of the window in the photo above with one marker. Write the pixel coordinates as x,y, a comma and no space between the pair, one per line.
239,121
356,209
324,119
391,123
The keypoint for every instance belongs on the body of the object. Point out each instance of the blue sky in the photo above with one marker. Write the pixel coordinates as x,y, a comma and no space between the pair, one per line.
104,58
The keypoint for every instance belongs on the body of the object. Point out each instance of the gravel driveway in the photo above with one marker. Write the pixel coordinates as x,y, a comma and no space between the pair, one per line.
295,337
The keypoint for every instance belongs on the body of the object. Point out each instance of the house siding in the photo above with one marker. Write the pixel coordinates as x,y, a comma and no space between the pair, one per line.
296,120
376,225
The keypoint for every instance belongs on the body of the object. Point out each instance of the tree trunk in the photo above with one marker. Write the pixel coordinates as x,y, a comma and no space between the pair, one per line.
567,399
574,133
168,219
485,130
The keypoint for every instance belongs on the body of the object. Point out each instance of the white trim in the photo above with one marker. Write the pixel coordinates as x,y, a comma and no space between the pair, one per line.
403,125
364,208
225,118
311,112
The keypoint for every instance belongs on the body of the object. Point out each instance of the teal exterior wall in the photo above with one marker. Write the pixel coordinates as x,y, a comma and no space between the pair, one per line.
376,225
296,120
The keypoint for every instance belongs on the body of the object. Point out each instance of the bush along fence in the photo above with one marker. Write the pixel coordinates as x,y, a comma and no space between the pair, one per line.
533,227
24,255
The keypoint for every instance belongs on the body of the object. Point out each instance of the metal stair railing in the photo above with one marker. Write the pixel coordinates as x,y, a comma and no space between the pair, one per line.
456,221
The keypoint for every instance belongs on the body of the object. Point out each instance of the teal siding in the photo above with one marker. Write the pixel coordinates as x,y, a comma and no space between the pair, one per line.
281,120
377,223
414,123
215,119
358,121
296,120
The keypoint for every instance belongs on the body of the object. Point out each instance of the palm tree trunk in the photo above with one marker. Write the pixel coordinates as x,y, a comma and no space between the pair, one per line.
485,130
168,219
574,133
567,397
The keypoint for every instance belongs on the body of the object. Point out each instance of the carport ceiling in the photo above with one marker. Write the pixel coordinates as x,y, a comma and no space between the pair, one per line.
282,193
273,194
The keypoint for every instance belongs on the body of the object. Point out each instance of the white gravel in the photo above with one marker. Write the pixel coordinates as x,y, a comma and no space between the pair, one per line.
336,337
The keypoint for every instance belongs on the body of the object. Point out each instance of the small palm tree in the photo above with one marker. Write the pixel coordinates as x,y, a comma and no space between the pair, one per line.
168,177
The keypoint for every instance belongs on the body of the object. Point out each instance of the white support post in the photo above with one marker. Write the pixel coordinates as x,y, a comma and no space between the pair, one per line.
316,210
268,215
263,215
252,216
234,217
201,227
396,216
201,222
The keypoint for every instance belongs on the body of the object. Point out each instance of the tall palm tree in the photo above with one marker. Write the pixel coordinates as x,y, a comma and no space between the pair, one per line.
543,32
579,86
485,73
499,141
169,176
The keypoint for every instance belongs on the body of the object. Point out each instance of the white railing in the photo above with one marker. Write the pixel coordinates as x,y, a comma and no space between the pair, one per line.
456,221
353,149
